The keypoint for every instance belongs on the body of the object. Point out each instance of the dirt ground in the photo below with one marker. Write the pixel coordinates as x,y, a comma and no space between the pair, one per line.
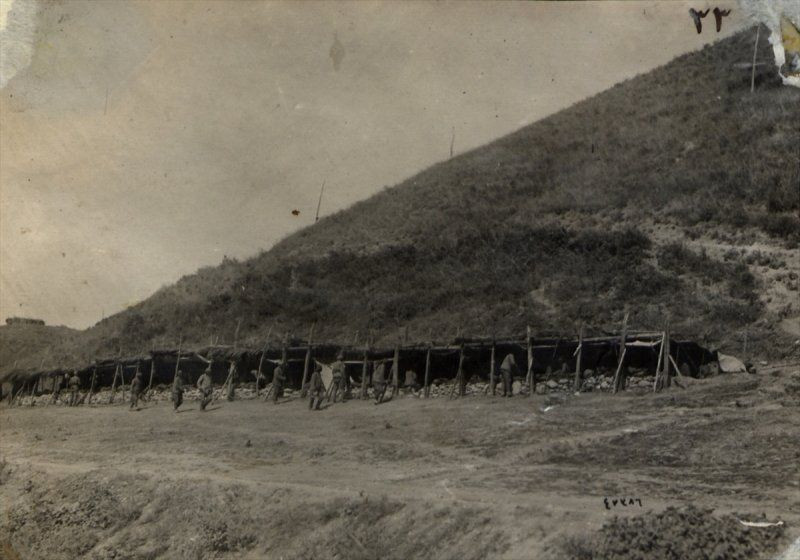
479,477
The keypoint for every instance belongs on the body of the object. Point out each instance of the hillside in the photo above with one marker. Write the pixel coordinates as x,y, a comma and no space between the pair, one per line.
19,342
674,193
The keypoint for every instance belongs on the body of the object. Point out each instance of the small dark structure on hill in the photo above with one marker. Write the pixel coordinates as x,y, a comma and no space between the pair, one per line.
23,321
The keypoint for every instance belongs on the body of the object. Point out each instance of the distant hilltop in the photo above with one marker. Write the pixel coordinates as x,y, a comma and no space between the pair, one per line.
23,321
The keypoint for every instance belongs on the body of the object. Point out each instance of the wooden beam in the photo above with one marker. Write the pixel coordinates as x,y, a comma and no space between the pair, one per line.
396,371
618,381
529,376
365,372
667,378
306,372
459,380
114,384
660,360
427,388
492,368
91,387
261,360
579,361
177,360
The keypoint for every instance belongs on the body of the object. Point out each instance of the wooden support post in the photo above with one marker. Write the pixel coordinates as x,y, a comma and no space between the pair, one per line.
232,367
122,379
91,387
307,364
114,384
15,397
33,389
427,388
755,53
261,360
396,371
177,360
462,379
152,368
529,375
492,368
364,373
657,381
579,362
619,382
667,377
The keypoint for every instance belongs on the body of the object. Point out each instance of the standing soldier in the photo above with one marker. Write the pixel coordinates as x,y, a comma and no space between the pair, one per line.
278,380
411,384
74,385
316,388
338,371
233,373
206,387
60,383
379,382
507,369
177,390
136,389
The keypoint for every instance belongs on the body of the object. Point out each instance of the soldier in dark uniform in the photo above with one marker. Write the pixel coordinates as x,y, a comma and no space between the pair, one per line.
177,390
507,370
379,382
338,371
136,389
278,380
206,386
74,386
316,389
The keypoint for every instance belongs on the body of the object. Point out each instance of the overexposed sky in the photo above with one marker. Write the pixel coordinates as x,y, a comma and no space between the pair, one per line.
142,140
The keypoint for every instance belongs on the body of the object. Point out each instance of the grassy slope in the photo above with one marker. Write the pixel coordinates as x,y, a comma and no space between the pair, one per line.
19,342
652,195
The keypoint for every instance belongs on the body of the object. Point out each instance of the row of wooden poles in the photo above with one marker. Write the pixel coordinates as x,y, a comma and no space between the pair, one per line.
665,365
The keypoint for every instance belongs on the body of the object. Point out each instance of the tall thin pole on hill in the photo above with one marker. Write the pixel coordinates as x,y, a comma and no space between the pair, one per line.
319,202
755,52
452,141
578,361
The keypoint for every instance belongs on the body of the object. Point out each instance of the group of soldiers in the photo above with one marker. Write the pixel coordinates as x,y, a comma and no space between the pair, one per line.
317,394
72,383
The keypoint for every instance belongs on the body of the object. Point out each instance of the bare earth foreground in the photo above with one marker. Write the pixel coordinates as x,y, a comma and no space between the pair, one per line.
472,478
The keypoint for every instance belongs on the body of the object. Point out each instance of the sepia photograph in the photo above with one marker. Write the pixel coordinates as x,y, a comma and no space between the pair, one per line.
384,280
